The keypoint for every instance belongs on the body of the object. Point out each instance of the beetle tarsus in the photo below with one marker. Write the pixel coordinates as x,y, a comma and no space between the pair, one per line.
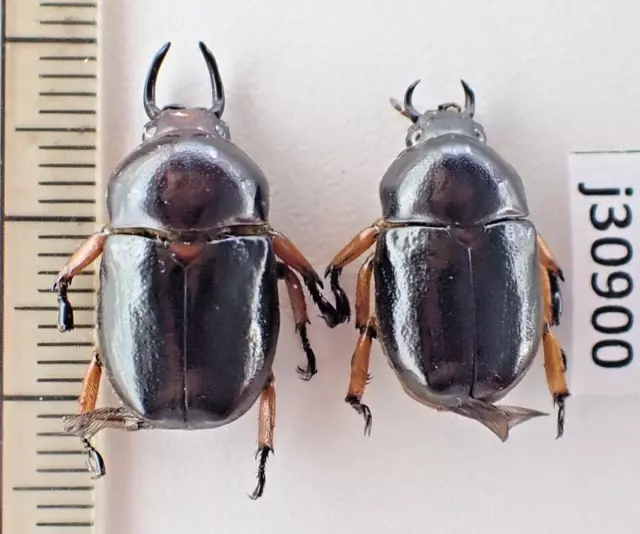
308,373
556,298
65,310
332,316
342,300
263,454
299,308
363,410
343,307
95,462
559,401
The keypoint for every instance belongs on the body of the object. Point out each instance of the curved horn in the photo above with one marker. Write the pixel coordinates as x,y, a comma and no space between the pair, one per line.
216,81
412,112
469,99
150,85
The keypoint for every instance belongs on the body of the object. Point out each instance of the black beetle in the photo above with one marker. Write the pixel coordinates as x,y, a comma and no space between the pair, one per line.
188,311
465,288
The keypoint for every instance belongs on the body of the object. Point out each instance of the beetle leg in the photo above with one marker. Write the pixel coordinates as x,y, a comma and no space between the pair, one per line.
551,275
360,372
88,424
299,306
86,254
88,421
366,324
292,257
266,426
363,293
547,258
87,403
555,360
352,251
555,368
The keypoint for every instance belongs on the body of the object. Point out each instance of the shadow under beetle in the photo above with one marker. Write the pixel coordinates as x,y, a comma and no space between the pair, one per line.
188,311
465,288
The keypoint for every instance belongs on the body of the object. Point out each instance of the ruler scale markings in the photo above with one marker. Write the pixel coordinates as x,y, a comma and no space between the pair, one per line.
40,398
48,200
61,380
68,4
67,111
47,218
54,327
83,291
50,40
60,452
67,58
67,147
65,344
81,130
63,362
84,273
53,488
64,524
65,506
68,93
67,165
67,201
50,308
64,236
69,22
62,470
68,183
53,76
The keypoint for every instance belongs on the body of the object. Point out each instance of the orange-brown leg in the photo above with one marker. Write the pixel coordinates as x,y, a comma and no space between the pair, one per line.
87,403
293,258
555,361
555,369
88,420
351,252
86,254
266,427
366,324
299,306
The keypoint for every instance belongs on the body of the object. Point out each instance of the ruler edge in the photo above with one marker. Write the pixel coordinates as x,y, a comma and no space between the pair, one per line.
100,515
99,492
3,85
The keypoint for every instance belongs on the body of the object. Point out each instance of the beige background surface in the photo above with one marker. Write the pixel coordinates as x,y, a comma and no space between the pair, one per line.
307,97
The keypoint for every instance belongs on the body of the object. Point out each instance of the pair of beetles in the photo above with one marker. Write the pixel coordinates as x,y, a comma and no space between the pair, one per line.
465,290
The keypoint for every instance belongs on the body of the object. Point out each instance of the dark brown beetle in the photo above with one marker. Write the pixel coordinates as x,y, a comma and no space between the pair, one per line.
188,309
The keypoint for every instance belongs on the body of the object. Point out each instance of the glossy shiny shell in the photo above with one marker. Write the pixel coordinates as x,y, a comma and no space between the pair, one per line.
188,346
459,310
451,179
187,183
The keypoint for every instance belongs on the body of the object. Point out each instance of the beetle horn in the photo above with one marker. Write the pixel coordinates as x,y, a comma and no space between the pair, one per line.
469,99
150,85
216,80
412,112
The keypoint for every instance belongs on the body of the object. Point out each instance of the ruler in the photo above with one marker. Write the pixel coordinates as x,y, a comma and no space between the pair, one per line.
49,205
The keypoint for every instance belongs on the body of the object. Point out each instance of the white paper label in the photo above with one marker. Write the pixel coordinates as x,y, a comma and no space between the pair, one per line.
605,279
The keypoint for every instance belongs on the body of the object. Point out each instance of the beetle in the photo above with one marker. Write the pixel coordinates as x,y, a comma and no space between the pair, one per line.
187,309
465,289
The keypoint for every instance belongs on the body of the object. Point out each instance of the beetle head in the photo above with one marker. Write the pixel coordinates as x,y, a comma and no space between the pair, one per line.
176,119
449,118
